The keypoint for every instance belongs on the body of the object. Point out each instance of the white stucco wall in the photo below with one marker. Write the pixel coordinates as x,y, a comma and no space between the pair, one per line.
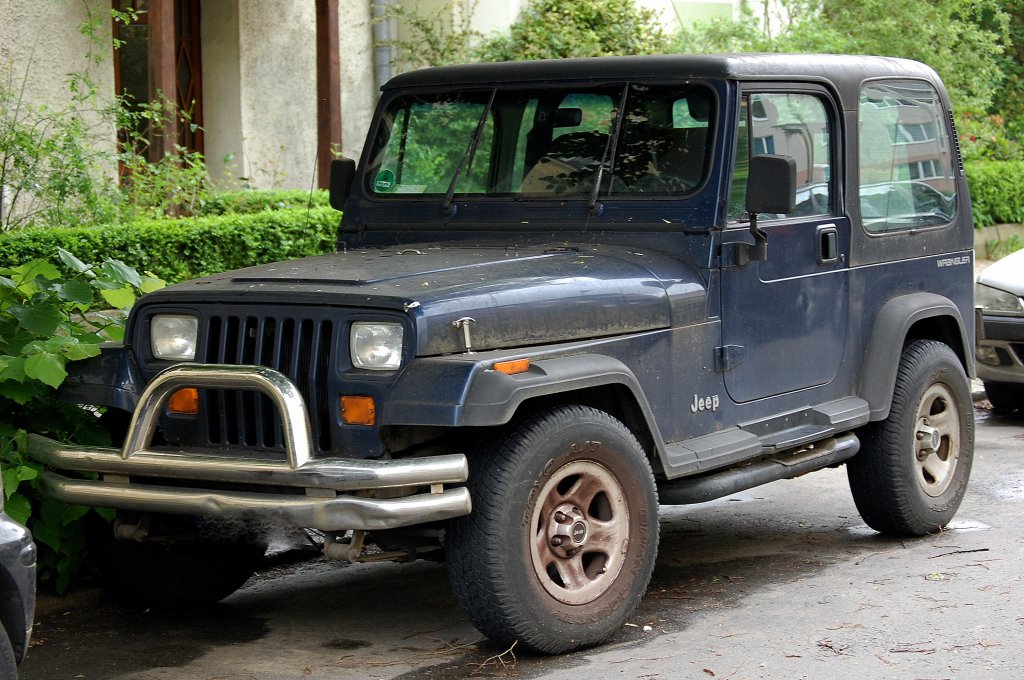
358,93
41,43
222,92
277,83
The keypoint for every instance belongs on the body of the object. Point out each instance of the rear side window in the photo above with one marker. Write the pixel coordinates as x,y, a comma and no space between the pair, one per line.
906,158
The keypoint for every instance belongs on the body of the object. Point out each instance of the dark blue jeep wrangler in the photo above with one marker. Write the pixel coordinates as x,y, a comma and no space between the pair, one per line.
564,292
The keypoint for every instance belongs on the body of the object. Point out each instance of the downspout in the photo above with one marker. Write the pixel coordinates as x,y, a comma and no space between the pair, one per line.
384,30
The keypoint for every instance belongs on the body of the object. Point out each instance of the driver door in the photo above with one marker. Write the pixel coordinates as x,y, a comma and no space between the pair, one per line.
784,319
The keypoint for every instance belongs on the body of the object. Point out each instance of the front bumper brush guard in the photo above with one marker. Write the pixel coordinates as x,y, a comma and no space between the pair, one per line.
316,503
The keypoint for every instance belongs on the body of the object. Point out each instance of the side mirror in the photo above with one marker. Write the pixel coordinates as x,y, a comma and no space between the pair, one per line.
771,185
343,170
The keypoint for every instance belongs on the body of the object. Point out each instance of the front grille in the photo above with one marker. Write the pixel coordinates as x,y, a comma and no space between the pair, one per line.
299,347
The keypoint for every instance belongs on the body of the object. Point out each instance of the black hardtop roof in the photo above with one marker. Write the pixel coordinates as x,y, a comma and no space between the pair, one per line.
842,71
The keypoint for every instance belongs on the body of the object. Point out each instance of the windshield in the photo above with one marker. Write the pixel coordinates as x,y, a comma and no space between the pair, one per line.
544,143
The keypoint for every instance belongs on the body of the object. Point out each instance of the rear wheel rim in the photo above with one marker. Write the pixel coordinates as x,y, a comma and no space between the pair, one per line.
936,440
580,532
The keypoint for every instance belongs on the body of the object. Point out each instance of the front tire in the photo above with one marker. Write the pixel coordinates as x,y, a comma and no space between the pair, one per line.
561,543
913,467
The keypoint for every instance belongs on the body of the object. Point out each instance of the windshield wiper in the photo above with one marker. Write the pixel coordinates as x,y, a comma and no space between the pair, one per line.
609,151
467,157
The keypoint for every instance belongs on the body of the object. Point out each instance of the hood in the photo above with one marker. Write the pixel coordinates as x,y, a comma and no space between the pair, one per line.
514,296
1006,274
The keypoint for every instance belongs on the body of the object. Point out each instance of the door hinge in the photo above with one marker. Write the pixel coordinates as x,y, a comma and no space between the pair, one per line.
728,357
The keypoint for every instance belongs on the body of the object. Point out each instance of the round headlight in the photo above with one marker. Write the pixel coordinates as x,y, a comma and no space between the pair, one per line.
173,336
376,345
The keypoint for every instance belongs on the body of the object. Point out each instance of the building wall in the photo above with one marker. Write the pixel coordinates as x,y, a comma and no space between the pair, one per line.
41,43
358,92
259,89
222,92
277,79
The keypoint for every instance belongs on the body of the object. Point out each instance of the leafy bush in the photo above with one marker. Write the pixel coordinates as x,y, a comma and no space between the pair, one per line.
43,326
252,201
554,29
997,191
186,248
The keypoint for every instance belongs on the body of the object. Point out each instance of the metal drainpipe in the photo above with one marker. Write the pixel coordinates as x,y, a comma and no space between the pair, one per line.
383,33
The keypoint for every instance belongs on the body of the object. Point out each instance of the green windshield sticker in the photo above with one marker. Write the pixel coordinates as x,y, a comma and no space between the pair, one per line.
385,182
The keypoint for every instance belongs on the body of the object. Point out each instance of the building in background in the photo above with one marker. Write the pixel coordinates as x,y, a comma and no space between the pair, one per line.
271,88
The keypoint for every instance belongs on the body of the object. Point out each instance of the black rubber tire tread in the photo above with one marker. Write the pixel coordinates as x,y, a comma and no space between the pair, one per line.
493,579
8,664
1005,397
171,574
882,475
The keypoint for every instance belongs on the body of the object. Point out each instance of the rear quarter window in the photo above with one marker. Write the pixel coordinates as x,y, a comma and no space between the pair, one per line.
906,170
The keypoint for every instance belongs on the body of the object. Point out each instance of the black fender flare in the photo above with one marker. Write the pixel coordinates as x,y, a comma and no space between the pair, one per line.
883,350
457,392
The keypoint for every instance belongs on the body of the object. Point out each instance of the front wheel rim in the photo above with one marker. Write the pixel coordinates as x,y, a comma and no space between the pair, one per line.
580,532
936,440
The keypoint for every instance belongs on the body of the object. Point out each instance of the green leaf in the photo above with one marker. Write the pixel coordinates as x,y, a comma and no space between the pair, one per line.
18,508
79,351
117,270
41,319
73,513
19,393
46,368
13,370
75,291
11,481
122,298
115,332
47,530
151,283
73,263
33,268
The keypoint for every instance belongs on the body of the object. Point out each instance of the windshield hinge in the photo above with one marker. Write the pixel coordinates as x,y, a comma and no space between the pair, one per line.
728,357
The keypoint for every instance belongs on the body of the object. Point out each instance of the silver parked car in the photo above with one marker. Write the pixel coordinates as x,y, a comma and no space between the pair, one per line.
1000,294
17,592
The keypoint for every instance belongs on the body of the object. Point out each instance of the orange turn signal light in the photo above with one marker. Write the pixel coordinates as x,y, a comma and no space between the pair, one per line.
358,410
512,367
184,402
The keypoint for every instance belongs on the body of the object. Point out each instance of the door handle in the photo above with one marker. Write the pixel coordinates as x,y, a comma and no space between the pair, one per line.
827,237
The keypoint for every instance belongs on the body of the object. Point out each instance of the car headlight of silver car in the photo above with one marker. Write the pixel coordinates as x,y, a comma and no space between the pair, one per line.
173,336
376,345
995,300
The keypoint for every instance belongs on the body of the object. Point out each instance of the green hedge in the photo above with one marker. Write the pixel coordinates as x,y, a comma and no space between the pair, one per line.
176,250
246,202
997,191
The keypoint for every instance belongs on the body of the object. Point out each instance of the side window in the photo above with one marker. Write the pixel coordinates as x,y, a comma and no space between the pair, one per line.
906,158
788,124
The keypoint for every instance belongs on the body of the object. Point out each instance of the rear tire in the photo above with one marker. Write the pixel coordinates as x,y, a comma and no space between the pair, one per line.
913,467
560,545
1005,397
174,569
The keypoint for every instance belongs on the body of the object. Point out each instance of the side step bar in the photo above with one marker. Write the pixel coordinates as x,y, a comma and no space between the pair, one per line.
791,464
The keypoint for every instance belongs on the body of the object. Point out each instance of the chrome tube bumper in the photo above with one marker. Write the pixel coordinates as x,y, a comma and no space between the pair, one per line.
316,502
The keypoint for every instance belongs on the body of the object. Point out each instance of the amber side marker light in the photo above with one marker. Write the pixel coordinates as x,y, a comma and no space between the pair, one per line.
184,402
358,410
512,367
